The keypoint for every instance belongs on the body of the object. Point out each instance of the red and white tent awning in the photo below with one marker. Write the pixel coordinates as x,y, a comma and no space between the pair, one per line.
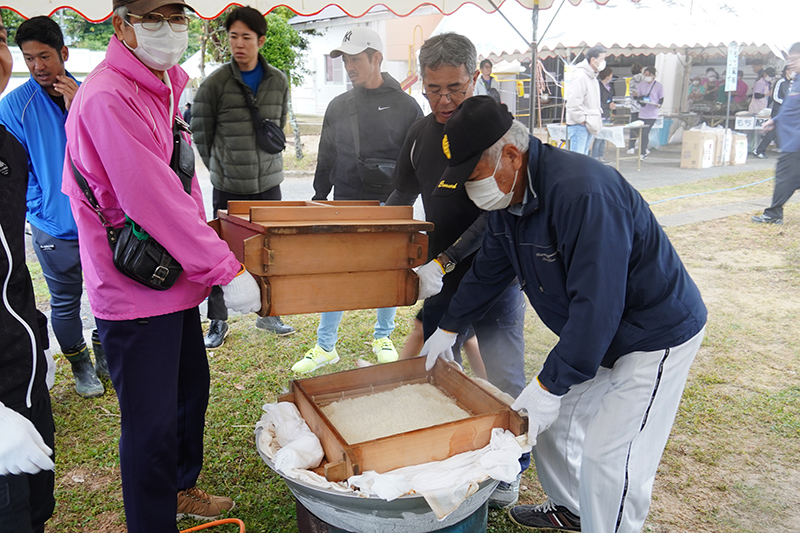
97,10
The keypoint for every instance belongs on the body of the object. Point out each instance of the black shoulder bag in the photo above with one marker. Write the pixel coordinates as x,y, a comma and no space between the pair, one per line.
375,173
269,136
135,253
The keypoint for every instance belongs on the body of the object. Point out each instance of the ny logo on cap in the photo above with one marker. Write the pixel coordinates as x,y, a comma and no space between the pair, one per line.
347,36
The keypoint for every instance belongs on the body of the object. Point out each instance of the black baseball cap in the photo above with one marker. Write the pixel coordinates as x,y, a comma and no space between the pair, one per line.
477,124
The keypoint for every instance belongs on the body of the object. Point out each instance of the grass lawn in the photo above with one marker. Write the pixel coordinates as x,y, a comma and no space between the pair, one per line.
731,463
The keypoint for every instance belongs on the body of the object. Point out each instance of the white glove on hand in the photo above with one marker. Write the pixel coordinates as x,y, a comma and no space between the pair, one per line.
542,407
22,449
242,294
440,344
430,279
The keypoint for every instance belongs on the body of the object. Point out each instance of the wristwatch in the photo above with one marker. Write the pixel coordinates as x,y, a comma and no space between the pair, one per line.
447,264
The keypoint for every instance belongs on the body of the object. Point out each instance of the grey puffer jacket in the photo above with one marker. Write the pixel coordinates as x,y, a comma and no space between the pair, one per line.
222,129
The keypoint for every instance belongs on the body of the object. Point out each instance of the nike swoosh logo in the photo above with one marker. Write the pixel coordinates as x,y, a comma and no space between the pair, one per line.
382,108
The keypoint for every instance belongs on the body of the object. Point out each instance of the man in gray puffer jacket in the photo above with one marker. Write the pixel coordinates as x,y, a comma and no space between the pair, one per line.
223,132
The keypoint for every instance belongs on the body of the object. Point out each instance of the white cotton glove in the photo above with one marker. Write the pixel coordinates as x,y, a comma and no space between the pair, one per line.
430,279
50,378
242,294
542,407
440,344
22,449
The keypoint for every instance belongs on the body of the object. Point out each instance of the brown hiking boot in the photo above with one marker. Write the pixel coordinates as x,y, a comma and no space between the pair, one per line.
199,504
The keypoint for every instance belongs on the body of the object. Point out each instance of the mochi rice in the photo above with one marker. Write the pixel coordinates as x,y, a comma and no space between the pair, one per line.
405,408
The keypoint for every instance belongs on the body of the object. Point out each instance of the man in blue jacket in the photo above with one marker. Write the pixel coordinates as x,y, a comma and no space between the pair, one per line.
601,274
787,124
35,114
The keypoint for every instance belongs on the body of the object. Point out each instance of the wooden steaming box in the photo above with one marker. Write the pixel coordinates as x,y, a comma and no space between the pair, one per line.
312,257
435,443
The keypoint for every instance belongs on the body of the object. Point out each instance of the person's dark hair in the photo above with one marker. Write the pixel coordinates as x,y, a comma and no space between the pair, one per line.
603,74
651,70
42,29
636,68
447,49
711,69
740,74
250,17
595,51
485,62
795,49
785,72
769,71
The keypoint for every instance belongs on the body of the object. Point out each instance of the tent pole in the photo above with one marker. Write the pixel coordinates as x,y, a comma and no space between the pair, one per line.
534,69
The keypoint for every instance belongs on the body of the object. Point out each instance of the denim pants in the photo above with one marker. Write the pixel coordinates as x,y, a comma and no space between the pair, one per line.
61,265
26,500
580,140
160,372
328,330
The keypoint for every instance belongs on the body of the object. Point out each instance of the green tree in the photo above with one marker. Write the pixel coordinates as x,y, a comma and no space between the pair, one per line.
11,20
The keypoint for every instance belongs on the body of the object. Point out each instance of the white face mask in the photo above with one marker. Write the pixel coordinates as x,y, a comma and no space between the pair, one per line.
649,79
601,65
160,49
486,194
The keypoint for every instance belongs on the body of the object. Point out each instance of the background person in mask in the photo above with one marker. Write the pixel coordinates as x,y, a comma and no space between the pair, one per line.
584,113
223,131
120,138
602,275
651,96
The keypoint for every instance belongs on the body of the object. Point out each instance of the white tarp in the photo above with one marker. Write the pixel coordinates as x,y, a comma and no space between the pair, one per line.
625,27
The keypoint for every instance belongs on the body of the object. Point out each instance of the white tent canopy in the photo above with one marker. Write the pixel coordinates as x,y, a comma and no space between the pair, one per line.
626,28
97,10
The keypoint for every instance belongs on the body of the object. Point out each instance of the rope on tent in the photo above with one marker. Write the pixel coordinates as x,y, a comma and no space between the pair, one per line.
217,523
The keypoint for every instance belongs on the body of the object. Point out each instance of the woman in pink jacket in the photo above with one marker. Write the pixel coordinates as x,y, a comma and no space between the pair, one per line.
119,137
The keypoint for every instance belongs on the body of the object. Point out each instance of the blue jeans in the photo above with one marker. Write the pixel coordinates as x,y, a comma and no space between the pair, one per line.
328,330
579,139
598,148
61,265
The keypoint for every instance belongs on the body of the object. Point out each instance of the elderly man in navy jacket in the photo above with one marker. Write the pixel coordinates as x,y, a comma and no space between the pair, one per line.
600,273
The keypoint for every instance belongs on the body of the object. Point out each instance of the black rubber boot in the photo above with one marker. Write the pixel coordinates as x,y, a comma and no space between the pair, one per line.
86,383
100,363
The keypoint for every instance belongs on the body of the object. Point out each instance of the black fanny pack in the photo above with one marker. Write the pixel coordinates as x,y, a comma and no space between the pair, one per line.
269,136
135,253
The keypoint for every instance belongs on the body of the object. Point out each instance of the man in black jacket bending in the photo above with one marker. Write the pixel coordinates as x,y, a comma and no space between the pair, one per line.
362,133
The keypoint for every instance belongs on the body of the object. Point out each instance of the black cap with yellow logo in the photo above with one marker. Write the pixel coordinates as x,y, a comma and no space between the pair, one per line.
477,124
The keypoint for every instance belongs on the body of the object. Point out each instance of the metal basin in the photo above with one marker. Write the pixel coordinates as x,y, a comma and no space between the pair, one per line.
407,514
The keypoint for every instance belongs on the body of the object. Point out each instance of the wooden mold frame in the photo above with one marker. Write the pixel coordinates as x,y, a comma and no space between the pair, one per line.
312,257
435,443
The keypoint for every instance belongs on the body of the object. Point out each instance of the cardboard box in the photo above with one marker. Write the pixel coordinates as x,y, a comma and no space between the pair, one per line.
311,257
738,149
719,147
434,443
698,149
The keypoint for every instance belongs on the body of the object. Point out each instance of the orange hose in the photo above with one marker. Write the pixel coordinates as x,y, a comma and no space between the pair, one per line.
217,523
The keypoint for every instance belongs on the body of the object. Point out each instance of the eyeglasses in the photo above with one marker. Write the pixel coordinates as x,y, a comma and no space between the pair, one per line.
452,96
154,21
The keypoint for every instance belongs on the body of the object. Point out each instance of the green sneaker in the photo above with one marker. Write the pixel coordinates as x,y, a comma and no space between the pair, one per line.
315,358
385,351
